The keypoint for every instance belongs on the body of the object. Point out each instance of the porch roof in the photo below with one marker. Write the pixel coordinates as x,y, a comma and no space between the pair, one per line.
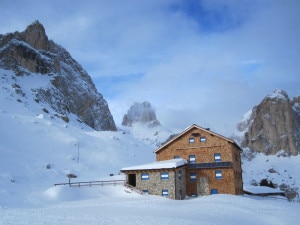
165,164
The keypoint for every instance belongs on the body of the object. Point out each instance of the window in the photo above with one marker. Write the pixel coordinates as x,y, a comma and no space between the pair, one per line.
145,176
145,192
217,157
218,174
193,176
165,192
192,159
214,191
179,174
191,140
164,175
203,139
176,157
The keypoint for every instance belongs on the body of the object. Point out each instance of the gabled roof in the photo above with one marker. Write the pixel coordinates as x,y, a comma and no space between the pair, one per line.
200,128
165,164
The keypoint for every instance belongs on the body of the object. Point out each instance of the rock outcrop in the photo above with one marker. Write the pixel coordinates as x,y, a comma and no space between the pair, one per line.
140,113
273,125
71,90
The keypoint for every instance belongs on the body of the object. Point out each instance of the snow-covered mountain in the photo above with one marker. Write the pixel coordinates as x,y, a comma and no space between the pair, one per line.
273,125
141,121
53,78
269,135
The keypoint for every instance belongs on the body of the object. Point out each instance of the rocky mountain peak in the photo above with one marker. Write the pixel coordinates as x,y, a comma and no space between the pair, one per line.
278,95
35,35
140,113
273,125
70,90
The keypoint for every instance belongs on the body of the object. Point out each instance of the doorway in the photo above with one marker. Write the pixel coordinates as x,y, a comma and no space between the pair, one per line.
203,187
132,179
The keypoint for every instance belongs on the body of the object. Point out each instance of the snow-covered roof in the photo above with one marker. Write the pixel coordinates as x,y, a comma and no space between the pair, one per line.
261,190
166,164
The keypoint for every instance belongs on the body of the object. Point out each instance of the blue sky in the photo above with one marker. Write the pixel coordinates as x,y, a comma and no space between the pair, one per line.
206,62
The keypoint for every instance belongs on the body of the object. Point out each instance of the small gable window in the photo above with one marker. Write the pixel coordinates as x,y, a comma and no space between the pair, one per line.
203,139
191,140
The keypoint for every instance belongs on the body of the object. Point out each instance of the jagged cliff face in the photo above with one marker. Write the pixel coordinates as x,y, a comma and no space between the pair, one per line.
70,90
273,125
140,113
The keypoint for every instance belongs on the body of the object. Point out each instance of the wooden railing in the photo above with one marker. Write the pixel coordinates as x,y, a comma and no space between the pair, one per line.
101,183
92,183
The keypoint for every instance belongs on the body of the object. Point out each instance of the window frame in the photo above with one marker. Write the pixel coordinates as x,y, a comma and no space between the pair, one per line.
145,176
165,192
217,157
191,140
192,157
164,175
218,174
193,176
203,139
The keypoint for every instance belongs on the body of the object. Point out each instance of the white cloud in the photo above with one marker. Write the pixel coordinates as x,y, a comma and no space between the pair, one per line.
206,65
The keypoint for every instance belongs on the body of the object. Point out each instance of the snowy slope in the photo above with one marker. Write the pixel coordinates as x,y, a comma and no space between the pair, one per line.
32,139
152,135
278,169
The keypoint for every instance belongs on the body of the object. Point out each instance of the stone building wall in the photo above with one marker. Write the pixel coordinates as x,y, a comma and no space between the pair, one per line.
155,184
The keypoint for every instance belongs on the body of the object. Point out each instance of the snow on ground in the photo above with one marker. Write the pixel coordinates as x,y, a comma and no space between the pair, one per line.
275,168
112,205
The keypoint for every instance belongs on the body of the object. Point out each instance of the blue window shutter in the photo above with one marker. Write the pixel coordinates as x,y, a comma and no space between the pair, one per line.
218,174
165,192
164,175
218,157
145,176
193,176
214,191
192,159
